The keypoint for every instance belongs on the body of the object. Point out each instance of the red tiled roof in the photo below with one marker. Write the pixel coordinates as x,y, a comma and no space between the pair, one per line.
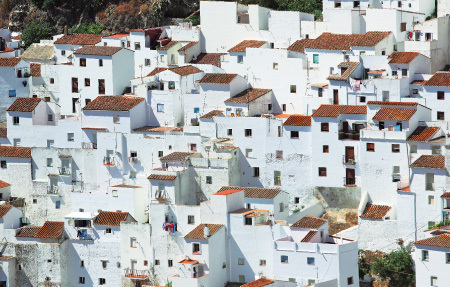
351,66
126,186
393,114
333,111
259,283
211,114
381,103
418,82
116,36
110,218
7,50
79,39
162,177
309,236
423,134
430,161
151,129
98,50
440,79
26,105
208,59
168,46
373,211
9,61
198,232
3,132
309,222
176,156
51,229
255,192
156,71
4,209
329,41
298,120
402,57
15,151
3,184
28,231
214,78
442,240
446,195
248,95
186,70
242,46
299,45
227,192
35,70
113,103
188,45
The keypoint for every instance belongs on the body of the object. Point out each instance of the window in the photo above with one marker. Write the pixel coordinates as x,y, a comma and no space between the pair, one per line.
399,4
70,137
3,164
34,201
162,59
229,132
82,62
269,107
63,52
241,279
294,134
325,149
116,119
171,85
284,107
394,73
262,262
316,56
249,152
160,108
57,204
240,59
87,82
108,230
209,180
16,142
193,147
101,281
156,262
279,154
147,62
383,52
248,221
191,219
293,89
402,26
284,259
434,281
404,72
49,162
195,247
440,116
281,207
248,132
370,147
101,86
310,261
81,280
52,80
275,66
324,127
356,4
81,263
322,171
441,95
169,263
240,261
413,148
104,264
292,280
350,281
74,85
447,258
196,110
16,121
431,200
50,117
277,177
50,143
133,242
87,101
256,172
435,149
362,99
415,91
137,45
395,148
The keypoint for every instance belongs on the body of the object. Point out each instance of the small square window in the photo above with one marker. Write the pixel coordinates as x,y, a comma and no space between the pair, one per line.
145,262
193,147
108,230
196,248
209,180
169,263
63,52
440,116
248,221
292,280
294,135
275,66
16,121
324,127
196,110
100,62
322,171
3,164
325,149
395,148
310,261
115,193
241,278
240,261
133,242
156,262
362,99
284,259
256,172
248,132
101,281
50,117
70,137
370,147
277,177
52,80
12,93
441,95
316,56
34,201
116,119
279,154
447,258
147,62
49,162
262,262
104,264
81,280
87,82
249,153
413,148
160,108
229,132
81,263
57,204
350,281
293,89
431,200
434,281
240,59
191,219
415,91
82,62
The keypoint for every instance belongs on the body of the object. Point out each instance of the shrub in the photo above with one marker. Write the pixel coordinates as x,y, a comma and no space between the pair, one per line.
36,31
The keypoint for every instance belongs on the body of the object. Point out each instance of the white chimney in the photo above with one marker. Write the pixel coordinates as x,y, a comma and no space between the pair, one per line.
206,231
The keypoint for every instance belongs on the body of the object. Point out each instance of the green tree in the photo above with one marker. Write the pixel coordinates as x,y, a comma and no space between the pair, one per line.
36,31
86,28
397,267
307,6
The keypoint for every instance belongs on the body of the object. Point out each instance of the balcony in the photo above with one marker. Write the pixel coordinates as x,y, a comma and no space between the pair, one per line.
53,190
161,195
65,171
349,135
347,160
133,160
348,181
108,160
369,133
136,274
87,145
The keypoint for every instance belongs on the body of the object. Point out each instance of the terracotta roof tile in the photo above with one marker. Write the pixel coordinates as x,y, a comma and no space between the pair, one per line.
255,192
333,111
179,129
28,231
430,161
380,103
440,79
418,82
186,70
214,78
248,95
423,134
176,156
35,69
187,261
442,240
156,71
116,36
9,61
198,232
4,209
79,39
110,218
309,236
446,195
402,57
98,50
113,103
227,192
168,46
259,283
309,222
127,186
373,211
26,105
51,229
299,45
211,114
3,132
151,129
15,151
351,67
162,177
393,114
188,45
329,41
208,59
3,184
242,46
298,120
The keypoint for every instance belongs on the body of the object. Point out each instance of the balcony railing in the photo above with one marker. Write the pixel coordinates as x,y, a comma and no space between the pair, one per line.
133,159
349,135
396,177
348,160
87,145
136,274
348,181
53,189
108,160
65,170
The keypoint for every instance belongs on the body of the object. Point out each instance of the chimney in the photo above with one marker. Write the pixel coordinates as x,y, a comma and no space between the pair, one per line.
66,32
206,231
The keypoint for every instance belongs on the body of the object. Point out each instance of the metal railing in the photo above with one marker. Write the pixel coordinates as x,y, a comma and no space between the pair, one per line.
348,160
349,135
88,145
65,170
133,159
348,181
53,189
138,274
108,160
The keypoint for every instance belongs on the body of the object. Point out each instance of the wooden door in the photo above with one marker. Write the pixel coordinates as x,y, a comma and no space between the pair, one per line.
336,97
350,176
349,153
